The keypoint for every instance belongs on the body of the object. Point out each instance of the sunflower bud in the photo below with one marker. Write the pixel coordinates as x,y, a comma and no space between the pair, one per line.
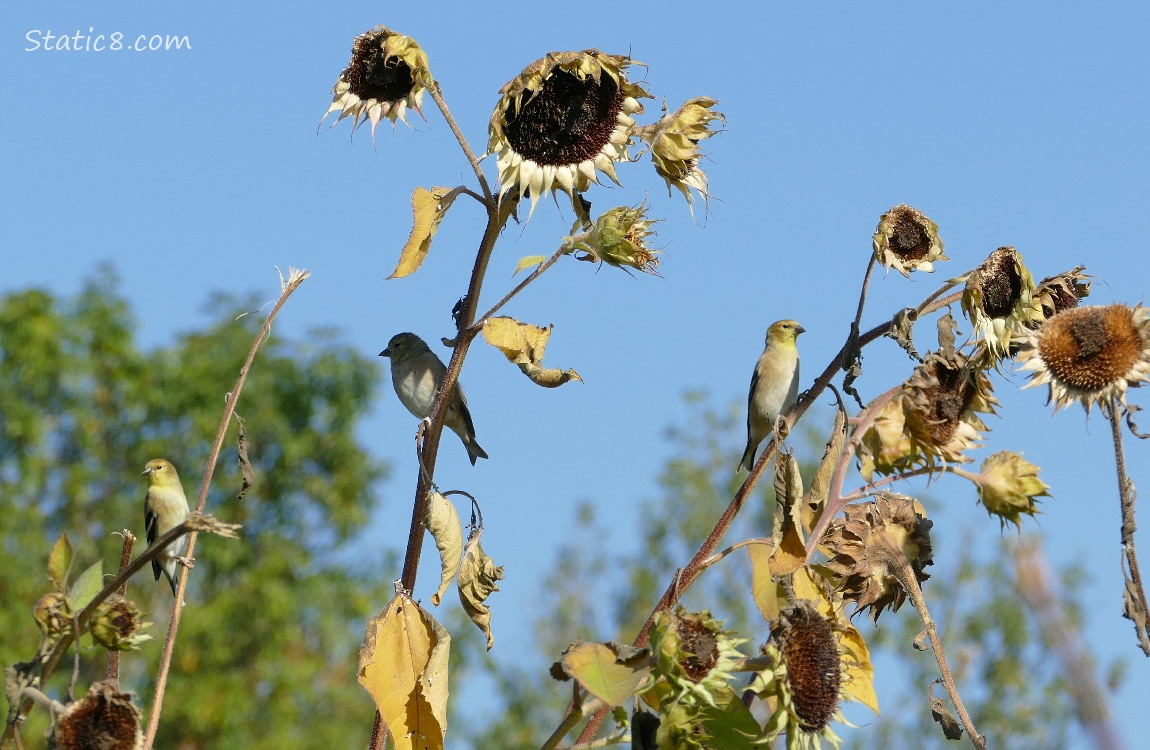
906,240
619,238
868,544
117,623
1008,487
105,718
1089,354
388,74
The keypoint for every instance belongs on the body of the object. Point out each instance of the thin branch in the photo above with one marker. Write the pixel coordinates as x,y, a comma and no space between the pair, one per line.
1134,608
112,662
901,569
295,278
523,284
440,102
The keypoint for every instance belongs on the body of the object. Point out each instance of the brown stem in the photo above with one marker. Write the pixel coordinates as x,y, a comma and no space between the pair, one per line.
440,102
1134,608
900,568
112,668
523,284
287,287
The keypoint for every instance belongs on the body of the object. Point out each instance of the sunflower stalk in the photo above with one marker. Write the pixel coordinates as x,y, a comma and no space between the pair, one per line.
1135,608
901,569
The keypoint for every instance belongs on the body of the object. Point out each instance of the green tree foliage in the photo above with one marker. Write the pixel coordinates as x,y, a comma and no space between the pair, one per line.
268,648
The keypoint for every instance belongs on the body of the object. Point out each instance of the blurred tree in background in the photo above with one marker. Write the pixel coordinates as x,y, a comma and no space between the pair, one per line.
278,618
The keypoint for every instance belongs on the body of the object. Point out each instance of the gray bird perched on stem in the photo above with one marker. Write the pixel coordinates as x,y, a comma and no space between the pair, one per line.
417,373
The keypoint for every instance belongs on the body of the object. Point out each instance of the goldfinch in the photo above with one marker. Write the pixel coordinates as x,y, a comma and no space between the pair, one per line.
417,373
165,507
774,386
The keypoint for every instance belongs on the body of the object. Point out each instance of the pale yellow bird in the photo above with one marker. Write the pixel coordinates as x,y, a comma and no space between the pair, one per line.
165,507
417,373
774,386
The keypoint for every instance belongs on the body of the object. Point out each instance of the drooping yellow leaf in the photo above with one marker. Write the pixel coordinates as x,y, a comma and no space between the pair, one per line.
769,595
443,523
610,672
428,206
858,675
815,501
524,345
403,665
810,582
790,547
477,580
59,561
528,261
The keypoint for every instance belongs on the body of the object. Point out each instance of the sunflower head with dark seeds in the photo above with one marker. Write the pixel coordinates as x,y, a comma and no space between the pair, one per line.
906,240
999,301
561,119
386,76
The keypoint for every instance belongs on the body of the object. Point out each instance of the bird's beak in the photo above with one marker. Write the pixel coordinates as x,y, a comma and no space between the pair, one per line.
145,472
385,352
799,329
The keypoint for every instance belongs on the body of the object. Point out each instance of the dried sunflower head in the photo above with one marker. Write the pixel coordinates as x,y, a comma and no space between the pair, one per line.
906,240
943,399
387,75
867,544
1061,292
1089,354
105,718
999,300
674,142
804,685
564,117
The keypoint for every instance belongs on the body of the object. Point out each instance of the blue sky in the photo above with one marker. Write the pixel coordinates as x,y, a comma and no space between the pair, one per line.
202,169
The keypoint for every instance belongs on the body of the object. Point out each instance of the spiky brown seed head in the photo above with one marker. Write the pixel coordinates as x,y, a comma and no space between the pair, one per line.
1089,354
814,672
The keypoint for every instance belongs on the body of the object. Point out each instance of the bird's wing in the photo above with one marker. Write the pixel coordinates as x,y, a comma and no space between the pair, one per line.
151,531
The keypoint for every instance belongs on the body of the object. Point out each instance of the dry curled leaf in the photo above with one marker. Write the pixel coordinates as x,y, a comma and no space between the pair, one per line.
814,502
403,665
428,207
951,729
443,522
524,344
790,546
242,458
477,580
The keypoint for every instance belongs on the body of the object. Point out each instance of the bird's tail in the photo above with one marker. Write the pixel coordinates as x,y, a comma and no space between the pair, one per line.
474,452
748,461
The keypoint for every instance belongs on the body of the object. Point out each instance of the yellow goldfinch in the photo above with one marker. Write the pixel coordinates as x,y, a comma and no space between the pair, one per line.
774,386
165,507
417,375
